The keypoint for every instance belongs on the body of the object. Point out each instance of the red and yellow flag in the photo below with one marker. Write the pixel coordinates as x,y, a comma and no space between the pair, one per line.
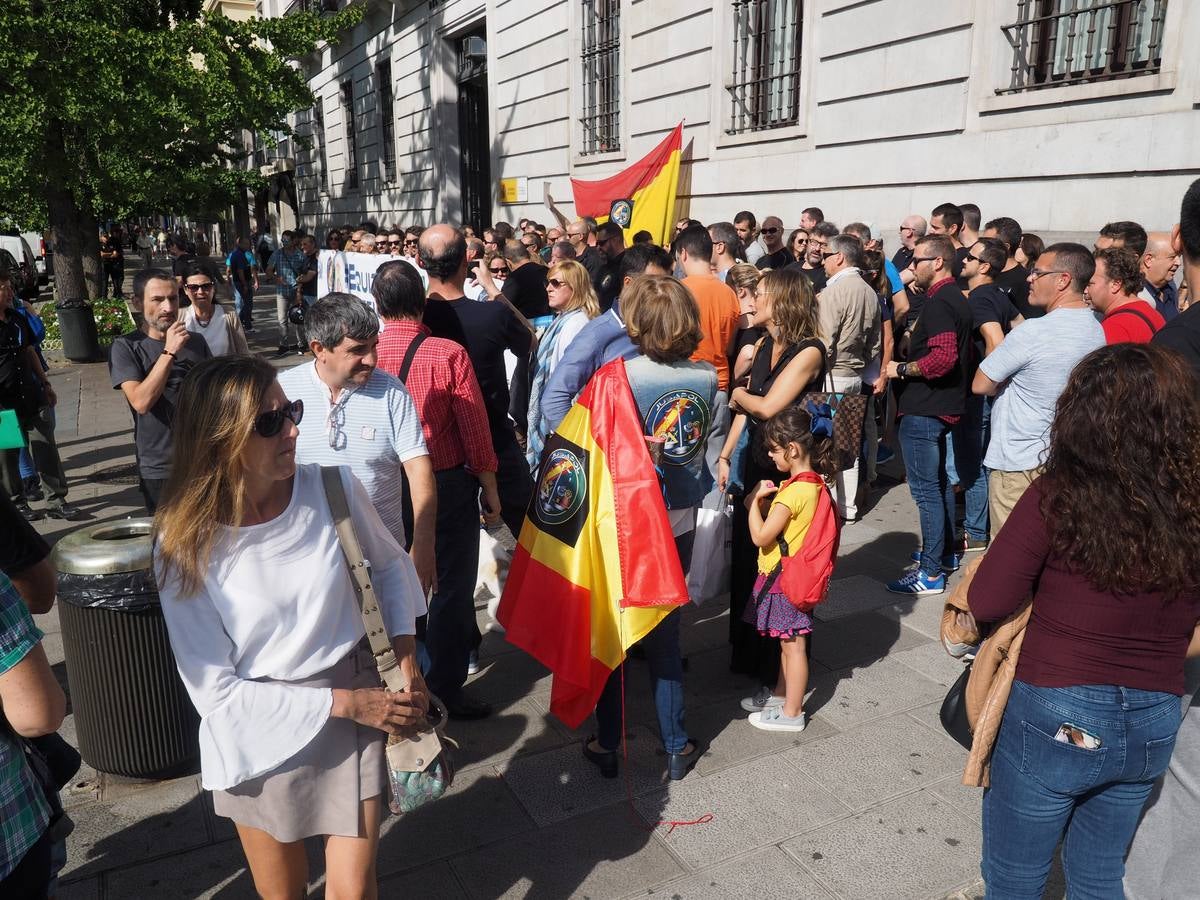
595,567
648,188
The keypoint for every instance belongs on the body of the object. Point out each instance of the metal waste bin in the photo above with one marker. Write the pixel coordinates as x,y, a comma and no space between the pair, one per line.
132,714
77,325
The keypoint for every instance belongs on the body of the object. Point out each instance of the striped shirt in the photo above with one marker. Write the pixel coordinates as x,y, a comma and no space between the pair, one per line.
24,813
373,429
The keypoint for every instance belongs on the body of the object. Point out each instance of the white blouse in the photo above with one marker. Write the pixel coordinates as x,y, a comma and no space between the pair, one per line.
277,606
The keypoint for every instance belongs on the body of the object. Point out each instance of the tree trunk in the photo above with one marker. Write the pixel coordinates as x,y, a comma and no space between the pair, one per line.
93,268
66,241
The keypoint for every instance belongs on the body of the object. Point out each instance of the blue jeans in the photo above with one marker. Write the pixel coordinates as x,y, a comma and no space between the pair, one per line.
666,678
969,442
1041,788
924,441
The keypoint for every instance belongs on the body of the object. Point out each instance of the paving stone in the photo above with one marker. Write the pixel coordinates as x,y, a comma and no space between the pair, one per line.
752,805
857,535
85,786
933,661
732,740
921,614
209,872
860,640
847,698
967,800
597,856
478,809
856,594
560,784
911,847
767,874
434,881
88,889
157,822
519,727
509,677
930,715
878,760
705,627
708,677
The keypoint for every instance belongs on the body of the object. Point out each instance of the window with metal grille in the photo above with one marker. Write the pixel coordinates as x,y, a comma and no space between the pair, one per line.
318,138
765,85
600,53
351,149
387,122
1058,42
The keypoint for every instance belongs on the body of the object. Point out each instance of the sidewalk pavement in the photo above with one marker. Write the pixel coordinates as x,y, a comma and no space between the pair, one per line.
866,803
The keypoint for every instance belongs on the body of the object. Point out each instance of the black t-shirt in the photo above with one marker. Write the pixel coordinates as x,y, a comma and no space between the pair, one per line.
21,547
1182,333
309,288
592,260
15,336
989,303
816,277
944,310
131,358
902,258
608,285
1015,281
525,289
777,260
487,329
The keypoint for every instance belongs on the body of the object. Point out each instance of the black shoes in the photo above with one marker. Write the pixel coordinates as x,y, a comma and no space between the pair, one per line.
465,707
32,487
604,760
60,509
679,764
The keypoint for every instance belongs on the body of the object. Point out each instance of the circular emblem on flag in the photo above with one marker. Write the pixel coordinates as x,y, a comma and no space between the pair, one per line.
563,487
681,417
621,212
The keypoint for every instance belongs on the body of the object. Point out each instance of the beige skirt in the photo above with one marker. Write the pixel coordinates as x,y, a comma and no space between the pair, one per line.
319,790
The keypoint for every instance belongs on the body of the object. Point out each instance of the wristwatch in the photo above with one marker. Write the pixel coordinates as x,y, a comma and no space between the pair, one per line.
902,370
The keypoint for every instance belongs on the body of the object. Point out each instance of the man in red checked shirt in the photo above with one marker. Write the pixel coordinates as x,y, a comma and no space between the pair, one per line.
933,397
439,376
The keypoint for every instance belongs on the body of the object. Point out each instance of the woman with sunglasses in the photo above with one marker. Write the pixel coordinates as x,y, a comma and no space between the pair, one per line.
221,328
573,302
267,633
797,244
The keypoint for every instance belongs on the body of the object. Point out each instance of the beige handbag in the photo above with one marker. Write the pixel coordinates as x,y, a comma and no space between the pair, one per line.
418,760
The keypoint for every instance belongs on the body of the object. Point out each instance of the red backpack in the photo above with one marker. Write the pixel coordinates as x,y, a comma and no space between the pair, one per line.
805,574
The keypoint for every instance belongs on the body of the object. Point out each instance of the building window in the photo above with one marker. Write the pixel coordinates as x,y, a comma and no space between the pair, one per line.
1059,42
387,122
601,57
318,137
765,85
351,149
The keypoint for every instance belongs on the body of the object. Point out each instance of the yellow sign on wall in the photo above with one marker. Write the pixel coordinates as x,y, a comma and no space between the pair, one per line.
514,190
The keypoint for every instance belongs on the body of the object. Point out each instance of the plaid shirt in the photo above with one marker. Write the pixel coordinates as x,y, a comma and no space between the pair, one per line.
447,396
287,265
24,813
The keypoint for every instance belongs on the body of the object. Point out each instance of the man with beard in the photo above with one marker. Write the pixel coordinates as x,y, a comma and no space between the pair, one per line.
148,366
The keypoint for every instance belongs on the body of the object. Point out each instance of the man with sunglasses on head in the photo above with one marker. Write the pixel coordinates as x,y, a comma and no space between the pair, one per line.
1029,370
777,256
148,366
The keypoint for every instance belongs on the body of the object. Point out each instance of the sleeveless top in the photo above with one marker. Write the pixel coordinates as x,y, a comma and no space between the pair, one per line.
762,376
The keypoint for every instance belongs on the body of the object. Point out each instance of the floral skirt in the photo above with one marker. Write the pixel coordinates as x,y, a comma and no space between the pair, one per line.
773,614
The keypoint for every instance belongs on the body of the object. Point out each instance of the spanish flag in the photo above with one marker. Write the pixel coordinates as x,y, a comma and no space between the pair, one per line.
641,197
595,568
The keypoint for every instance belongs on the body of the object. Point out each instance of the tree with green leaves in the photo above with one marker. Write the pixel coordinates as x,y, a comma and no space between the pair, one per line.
119,108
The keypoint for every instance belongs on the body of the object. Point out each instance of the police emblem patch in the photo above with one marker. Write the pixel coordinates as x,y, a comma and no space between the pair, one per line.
621,212
681,417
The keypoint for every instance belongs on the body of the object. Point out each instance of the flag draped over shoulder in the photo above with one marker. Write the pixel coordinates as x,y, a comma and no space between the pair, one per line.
649,186
595,568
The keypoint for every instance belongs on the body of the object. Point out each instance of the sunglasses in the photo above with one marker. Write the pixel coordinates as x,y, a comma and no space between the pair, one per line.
828,253
270,423
413,243
555,283
204,286
921,259
500,271
393,243
771,230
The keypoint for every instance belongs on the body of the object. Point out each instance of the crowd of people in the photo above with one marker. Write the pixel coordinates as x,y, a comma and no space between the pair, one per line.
1046,390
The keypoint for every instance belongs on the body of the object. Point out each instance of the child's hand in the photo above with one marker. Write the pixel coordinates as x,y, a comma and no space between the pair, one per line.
764,490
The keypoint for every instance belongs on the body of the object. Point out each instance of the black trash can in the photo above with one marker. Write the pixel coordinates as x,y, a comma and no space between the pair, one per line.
77,326
132,714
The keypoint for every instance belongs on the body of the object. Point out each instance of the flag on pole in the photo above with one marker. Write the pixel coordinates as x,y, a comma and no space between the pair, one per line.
595,568
642,197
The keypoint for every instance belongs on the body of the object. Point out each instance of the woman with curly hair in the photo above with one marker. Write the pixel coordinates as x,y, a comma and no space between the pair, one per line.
1104,540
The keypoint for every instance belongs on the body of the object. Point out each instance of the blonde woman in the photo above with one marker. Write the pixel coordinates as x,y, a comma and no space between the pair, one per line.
573,302
789,361
268,636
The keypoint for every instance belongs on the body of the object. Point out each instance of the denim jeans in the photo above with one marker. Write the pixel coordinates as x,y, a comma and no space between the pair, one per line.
969,442
923,441
1041,788
666,678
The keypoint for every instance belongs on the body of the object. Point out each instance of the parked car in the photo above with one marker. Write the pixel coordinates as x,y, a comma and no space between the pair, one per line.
41,256
24,276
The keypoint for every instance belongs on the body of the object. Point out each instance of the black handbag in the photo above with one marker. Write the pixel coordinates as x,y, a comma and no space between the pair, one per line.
954,710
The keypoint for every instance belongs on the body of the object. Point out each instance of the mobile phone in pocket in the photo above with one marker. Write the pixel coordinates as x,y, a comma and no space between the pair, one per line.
1079,737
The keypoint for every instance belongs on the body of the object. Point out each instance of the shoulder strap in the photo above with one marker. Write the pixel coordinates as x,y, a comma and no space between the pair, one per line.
360,576
410,355
1128,308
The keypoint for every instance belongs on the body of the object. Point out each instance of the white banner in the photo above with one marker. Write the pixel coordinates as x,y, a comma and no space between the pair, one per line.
354,273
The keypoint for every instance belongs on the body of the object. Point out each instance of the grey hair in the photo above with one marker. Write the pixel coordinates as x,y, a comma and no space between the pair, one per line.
337,316
850,247
725,233
565,249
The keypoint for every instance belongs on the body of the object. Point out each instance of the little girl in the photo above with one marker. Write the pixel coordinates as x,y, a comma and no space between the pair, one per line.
798,442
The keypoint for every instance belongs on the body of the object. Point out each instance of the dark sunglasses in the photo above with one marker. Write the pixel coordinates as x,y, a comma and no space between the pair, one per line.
413,243
203,286
393,243
555,283
921,259
503,270
825,254
771,230
268,424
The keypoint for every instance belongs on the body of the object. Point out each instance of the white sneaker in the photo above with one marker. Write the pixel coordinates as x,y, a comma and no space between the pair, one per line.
773,719
762,699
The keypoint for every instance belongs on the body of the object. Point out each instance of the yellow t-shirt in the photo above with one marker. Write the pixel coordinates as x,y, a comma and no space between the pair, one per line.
800,498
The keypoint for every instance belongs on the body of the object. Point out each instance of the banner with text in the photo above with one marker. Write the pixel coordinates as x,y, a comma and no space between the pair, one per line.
354,273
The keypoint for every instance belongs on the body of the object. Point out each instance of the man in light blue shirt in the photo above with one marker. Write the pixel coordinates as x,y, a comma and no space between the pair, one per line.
1028,371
